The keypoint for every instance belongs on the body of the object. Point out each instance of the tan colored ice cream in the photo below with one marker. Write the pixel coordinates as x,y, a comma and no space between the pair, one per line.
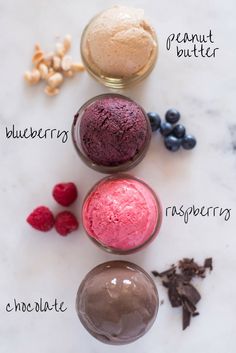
119,42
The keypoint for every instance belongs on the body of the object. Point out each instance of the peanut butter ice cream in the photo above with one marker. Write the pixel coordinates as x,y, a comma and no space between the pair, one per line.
119,43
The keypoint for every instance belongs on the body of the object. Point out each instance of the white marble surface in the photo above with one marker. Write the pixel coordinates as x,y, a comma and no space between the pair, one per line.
34,265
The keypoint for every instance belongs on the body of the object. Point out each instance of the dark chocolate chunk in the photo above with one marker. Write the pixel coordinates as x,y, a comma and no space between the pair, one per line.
180,291
196,313
208,263
168,272
174,297
189,292
186,318
189,306
190,269
156,274
166,284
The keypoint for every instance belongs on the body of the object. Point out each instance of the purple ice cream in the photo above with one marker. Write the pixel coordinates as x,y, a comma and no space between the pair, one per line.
113,130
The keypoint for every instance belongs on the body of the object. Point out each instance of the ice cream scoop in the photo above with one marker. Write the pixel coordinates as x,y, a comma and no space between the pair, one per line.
119,46
111,133
117,302
121,214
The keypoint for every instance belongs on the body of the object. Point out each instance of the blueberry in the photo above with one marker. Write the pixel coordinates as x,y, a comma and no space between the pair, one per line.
172,116
179,131
189,142
172,143
155,120
165,128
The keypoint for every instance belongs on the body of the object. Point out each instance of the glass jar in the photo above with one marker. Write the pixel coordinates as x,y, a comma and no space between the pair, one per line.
113,147
124,291
124,58
121,214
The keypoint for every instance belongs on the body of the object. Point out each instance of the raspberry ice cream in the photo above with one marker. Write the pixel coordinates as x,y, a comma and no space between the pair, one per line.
119,42
113,131
121,214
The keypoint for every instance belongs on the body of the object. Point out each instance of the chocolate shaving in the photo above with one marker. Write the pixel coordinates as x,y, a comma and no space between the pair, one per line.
180,291
208,263
189,306
196,314
190,269
155,274
186,318
168,272
174,297
165,284
189,292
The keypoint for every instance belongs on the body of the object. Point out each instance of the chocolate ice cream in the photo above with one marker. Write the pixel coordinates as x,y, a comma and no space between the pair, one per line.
117,302
114,130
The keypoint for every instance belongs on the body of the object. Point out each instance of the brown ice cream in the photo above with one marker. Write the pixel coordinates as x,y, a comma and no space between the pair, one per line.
117,302
119,42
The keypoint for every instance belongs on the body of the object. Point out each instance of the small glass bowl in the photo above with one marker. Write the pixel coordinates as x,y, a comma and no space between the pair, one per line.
152,236
104,168
115,82
131,284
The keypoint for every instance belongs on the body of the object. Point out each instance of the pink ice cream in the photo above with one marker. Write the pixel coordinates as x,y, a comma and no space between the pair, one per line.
121,213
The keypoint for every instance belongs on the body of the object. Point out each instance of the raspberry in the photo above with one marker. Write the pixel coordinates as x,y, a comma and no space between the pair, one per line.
65,193
65,223
41,219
